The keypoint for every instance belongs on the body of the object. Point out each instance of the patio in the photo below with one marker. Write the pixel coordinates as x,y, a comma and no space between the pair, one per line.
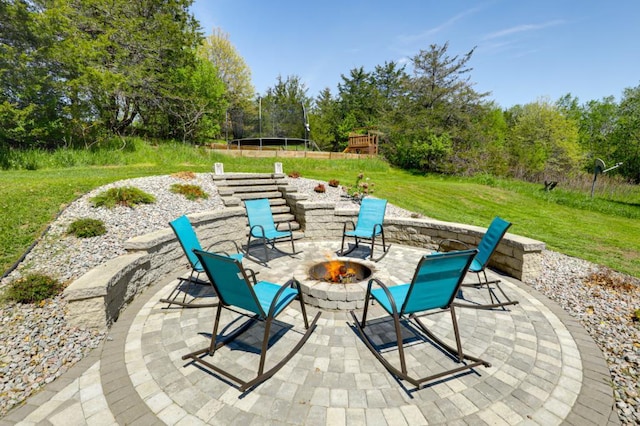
545,368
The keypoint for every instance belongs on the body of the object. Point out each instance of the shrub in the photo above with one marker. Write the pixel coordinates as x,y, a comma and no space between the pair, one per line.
191,192
32,288
87,228
127,196
320,188
334,183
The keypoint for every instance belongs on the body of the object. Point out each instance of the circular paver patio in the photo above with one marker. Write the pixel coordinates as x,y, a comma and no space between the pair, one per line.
545,368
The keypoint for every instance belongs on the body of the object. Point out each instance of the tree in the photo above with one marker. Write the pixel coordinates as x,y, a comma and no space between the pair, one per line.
75,71
282,108
234,73
358,96
324,120
627,134
30,92
542,143
438,114
390,82
440,80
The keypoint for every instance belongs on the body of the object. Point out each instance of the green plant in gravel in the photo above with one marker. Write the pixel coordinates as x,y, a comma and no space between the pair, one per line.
191,192
128,196
32,288
87,228
361,189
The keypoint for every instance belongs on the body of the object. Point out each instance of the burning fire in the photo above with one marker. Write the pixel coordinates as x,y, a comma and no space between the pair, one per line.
337,271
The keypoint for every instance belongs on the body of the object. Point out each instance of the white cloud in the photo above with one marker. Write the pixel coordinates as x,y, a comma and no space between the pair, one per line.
523,28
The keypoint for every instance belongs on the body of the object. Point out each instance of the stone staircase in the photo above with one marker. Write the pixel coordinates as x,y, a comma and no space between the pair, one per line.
235,188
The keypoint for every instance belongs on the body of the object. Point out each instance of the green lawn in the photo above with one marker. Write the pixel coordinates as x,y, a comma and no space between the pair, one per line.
606,232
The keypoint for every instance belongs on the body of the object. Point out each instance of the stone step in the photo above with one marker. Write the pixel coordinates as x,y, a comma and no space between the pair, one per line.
248,182
252,188
283,217
243,176
279,208
256,195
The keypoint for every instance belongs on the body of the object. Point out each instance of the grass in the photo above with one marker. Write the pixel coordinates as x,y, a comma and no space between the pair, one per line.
603,230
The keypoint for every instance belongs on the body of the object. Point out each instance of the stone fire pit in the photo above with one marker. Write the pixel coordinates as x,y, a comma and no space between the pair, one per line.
338,283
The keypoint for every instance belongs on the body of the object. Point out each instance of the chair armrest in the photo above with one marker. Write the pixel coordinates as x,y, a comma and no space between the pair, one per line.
228,243
251,274
274,302
261,235
451,240
344,227
386,291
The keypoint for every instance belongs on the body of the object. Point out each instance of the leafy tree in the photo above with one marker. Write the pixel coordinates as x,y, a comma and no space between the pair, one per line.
598,123
197,108
234,73
543,142
30,93
73,71
627,134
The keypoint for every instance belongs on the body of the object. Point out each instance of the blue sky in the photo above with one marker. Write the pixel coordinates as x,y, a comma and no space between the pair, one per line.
525,50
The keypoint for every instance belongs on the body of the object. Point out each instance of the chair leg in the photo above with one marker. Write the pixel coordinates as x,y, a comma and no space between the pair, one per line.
495,302
171,299
265,345
266,250
385,248
214,332
399,339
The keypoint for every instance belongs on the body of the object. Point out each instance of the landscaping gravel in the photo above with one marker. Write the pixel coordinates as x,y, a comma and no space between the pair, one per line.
37,345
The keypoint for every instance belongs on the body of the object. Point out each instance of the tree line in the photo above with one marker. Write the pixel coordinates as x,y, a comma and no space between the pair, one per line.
73,74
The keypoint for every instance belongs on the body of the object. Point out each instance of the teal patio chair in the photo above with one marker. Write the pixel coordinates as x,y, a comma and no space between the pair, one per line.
188,240
435,282
263,228
257,300
369,226
486,248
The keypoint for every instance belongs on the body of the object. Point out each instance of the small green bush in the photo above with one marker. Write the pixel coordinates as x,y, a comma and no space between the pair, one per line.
127,196
33,288
191,192
87,228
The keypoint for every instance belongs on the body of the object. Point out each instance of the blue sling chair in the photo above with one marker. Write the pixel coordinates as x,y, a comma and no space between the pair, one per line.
188,240
434,286
263,228
486,248
368,226
260,300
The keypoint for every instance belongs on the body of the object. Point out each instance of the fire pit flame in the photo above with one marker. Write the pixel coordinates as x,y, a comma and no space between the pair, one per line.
339,272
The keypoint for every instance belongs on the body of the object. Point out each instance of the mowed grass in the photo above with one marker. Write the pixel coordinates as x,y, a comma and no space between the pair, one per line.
603,231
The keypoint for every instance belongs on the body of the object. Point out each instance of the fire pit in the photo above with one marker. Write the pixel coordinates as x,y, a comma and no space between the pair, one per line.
340,271
339,283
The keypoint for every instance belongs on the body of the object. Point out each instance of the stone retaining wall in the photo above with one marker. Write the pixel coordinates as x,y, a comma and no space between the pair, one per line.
517,256
96,298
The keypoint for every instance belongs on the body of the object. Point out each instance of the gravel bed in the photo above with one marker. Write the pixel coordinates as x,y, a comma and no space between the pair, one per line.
37,345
